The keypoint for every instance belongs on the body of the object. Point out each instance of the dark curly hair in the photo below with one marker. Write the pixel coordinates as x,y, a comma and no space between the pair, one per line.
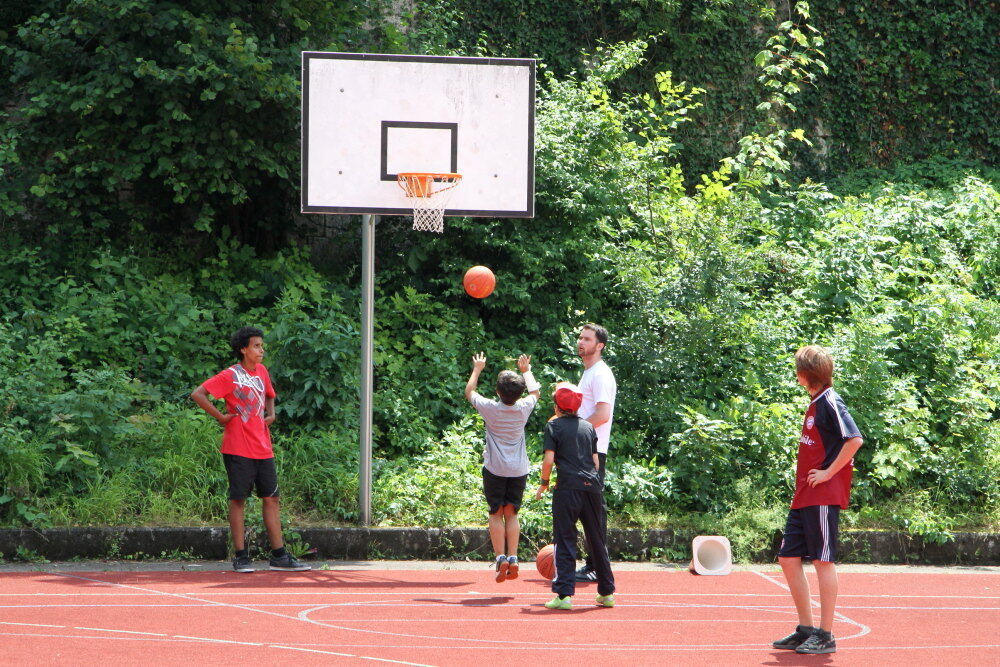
241,339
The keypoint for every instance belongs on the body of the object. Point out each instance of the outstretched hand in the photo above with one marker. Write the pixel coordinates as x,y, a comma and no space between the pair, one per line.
479,361
524,363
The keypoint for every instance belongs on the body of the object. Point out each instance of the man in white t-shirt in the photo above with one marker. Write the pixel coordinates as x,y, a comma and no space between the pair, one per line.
599,389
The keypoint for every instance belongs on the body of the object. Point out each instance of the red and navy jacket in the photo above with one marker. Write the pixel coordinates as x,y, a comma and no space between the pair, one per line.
825,429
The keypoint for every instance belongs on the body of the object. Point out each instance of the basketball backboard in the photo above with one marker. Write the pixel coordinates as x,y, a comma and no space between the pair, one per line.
367,117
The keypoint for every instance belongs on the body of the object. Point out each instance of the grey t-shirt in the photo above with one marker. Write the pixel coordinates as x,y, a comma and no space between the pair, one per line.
506,454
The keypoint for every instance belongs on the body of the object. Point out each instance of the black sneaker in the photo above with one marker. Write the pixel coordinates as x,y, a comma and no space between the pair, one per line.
820,641
243,564
792,641
287,562
586,574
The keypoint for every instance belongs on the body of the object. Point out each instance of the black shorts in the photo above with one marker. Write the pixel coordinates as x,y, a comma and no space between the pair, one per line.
503,490
245,474
811,532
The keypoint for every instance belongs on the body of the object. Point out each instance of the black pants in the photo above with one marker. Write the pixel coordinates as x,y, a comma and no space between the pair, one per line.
568,506
604,528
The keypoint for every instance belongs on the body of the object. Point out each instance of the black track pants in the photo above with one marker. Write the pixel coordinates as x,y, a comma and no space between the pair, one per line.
569,506
600,471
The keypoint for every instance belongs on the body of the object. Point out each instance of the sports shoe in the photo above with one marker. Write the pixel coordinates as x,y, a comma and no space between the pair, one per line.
564,603
503,566
586,574
606,600
512,567
793,640
287,562
243,564
820,641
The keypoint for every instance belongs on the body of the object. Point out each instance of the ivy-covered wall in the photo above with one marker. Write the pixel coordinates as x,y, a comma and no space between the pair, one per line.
908,79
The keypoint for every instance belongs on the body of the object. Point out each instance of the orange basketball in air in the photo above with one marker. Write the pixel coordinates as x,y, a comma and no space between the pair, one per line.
479,282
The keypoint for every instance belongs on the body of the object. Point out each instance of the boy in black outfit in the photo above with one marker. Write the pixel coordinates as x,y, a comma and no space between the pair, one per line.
571,444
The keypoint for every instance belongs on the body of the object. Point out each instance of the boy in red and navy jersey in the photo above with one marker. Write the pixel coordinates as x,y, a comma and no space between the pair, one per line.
246,444
829,440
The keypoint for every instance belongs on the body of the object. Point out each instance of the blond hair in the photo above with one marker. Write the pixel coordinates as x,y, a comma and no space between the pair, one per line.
816,364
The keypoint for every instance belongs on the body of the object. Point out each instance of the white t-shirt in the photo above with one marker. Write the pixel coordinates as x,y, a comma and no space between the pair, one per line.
598,386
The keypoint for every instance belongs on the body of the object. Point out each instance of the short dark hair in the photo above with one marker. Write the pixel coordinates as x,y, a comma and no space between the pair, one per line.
241,339
510,386
600,333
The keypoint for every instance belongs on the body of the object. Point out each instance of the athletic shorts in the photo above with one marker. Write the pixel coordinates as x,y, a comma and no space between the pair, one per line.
811,533
245,474
503,490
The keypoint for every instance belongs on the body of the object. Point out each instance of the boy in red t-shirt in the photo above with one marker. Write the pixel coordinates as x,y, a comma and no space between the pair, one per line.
830,438
246,444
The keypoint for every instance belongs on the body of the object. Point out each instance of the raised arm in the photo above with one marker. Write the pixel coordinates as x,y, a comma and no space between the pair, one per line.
478,363
524,365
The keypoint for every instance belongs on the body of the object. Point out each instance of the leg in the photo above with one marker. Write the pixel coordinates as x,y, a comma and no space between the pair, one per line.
589,560
826,573
272,521
822,526
795,577
267,490
497,531
565,511
592,517
512,529
236,527
493,490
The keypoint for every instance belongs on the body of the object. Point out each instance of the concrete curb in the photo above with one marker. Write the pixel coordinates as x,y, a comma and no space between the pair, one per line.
59,544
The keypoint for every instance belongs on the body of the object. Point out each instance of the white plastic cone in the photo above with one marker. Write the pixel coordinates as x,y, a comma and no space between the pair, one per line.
711,554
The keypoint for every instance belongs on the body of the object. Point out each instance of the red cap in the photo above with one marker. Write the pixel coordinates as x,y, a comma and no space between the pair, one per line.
567,397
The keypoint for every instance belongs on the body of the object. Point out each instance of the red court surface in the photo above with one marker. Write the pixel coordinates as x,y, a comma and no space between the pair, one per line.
463,617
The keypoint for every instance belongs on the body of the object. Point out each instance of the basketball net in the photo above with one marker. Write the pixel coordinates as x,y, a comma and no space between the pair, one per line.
430,194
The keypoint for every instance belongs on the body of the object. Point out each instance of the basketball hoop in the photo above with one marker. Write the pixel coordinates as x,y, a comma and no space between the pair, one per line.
430,193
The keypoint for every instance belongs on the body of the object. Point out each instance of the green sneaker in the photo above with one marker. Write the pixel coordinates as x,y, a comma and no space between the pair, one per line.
566,603
606,600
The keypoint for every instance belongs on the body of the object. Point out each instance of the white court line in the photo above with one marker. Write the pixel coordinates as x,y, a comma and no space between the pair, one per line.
304,616
756,648
862,628
212,603
131,632
398,662
497,592
652,605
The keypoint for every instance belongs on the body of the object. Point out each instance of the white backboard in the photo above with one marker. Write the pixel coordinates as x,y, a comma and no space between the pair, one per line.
367,117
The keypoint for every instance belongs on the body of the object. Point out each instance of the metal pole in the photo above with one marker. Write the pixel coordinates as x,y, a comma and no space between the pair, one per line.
367,336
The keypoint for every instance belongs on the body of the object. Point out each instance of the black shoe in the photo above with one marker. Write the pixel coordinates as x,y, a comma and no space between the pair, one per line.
243,564
820,641
586,574
792,641
287,562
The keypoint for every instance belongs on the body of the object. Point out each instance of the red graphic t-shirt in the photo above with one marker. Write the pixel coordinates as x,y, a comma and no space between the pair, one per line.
244,392
827,426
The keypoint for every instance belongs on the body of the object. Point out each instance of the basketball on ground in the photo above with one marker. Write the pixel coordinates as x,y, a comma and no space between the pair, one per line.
479,282
545,561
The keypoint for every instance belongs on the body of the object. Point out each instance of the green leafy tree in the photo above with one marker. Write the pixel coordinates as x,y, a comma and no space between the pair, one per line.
144,114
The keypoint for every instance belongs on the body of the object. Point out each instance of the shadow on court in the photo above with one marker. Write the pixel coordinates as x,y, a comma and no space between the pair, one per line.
317,580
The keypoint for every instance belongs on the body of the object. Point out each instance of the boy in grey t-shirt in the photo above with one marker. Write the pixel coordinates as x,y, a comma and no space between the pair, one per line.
505,456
